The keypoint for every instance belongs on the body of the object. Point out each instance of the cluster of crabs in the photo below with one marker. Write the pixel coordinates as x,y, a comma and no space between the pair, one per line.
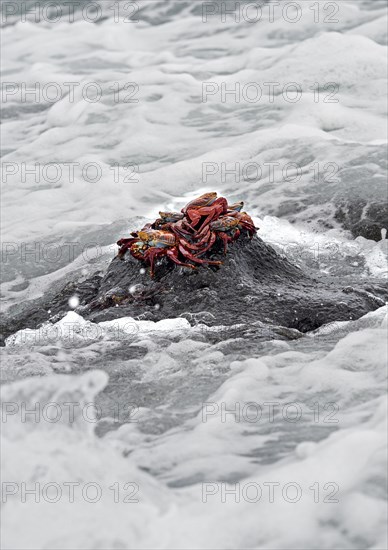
185,236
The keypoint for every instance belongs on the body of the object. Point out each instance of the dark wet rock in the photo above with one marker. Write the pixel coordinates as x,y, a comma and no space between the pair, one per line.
349,192
363,219
254,285
51,307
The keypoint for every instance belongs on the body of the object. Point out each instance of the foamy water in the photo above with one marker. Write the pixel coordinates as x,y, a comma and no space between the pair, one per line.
193,441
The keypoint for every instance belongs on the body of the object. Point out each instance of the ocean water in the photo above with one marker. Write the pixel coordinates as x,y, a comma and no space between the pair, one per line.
133,434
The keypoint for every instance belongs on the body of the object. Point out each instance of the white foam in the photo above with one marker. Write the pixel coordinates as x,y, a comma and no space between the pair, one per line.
346,465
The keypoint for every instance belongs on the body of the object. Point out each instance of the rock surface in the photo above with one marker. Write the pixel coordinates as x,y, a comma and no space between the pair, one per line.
254,284
363,219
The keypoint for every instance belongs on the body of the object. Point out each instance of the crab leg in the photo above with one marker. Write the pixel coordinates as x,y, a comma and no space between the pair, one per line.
191,227
225,240
236,235
151,254
210,243
122,242
195,217
187,254
179,231
202,241
172,254
219,207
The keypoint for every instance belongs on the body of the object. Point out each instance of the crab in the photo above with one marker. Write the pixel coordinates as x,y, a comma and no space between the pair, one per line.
152,243
206,205
244,221
185,236
227,228
167,218
173,221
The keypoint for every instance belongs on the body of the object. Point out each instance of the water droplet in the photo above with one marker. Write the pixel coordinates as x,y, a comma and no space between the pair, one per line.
74,301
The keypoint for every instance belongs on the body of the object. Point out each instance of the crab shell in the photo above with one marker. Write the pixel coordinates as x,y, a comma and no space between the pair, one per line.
206,199
157,238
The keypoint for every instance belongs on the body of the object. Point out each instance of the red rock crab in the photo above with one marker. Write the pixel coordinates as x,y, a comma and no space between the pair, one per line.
185,236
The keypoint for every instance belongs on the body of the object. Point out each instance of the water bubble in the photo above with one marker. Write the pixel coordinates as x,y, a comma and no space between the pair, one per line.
74,301
142,271
157,306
